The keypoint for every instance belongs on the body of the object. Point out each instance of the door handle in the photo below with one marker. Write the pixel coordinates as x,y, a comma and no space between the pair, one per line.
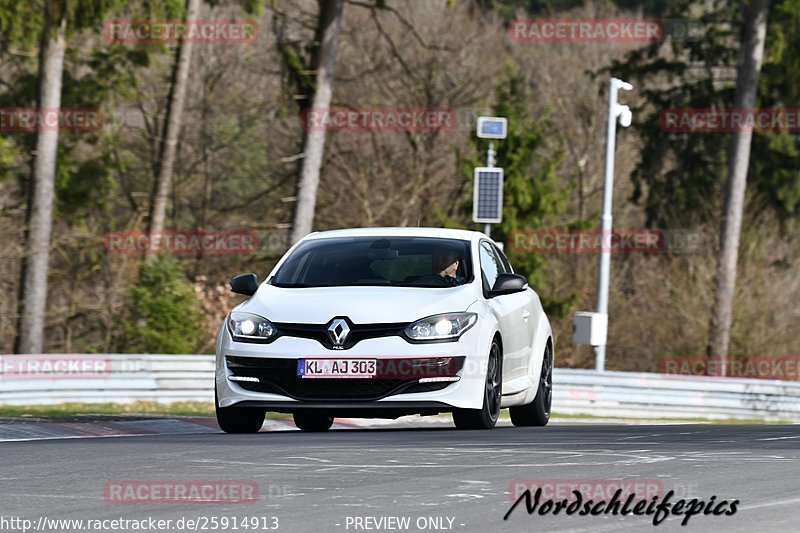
525,315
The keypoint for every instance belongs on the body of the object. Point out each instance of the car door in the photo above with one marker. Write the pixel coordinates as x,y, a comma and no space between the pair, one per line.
509,310
527,328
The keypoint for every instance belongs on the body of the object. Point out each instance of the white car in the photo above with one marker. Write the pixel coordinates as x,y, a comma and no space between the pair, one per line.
381,323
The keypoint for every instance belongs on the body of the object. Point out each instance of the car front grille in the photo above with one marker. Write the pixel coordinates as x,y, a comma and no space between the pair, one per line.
358,332
394,376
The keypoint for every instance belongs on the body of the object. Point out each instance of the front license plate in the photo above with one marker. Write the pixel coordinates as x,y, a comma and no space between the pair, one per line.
336,368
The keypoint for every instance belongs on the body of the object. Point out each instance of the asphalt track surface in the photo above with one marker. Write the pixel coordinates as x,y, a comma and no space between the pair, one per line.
323,482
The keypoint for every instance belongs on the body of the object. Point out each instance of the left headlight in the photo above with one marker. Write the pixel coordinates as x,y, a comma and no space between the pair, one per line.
249,327
446,327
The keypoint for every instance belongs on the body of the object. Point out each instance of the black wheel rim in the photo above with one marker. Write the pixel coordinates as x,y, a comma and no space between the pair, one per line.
493,383
546,381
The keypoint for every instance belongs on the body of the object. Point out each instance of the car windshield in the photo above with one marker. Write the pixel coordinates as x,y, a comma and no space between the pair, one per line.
396,261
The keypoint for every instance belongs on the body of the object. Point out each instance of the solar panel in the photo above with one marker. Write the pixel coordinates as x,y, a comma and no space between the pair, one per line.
487,200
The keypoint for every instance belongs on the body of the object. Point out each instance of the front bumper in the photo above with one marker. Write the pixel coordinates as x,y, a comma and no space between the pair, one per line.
279,389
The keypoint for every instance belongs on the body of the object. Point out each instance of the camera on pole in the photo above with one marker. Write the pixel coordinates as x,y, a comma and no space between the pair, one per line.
592,328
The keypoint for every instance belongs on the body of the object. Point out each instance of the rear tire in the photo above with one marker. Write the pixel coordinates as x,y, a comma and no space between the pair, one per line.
311,421
239,419
485,417
537,413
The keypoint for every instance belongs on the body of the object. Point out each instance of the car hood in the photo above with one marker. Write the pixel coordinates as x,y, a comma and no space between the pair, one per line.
362,305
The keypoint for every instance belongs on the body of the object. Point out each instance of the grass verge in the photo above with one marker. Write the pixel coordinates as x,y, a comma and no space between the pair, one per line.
139,408
207,409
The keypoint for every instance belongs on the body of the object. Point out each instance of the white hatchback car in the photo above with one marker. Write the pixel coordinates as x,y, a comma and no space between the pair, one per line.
385,322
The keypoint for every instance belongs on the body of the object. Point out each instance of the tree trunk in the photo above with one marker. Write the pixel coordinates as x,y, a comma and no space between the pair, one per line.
172,127
750,58
33,297
328,29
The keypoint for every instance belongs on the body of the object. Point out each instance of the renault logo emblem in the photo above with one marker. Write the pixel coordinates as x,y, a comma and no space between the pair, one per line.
338,332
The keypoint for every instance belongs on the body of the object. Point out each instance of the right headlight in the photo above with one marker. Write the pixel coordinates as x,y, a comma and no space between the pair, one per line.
249,327
445,327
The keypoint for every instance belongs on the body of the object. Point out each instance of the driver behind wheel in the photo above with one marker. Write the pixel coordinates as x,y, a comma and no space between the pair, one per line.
445,265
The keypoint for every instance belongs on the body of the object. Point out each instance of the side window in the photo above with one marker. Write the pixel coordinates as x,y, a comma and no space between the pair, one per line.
503,261
490,265
501,265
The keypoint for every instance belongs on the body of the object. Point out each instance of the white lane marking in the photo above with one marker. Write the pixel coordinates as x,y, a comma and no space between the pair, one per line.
495,450
781,438
61,496
515,465
768,504
559,443
88,437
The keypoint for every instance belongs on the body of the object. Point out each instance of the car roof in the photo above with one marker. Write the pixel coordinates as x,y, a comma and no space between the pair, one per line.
442,233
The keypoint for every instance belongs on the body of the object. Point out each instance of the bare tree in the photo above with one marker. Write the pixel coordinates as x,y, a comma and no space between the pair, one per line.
327,34
750,57
172,127
421,55
33,296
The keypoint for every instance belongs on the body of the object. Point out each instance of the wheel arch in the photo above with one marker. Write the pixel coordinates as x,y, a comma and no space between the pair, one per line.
499,337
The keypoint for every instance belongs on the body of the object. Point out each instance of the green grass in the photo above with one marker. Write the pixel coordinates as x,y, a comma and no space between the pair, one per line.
207,409
147,408
134,408
693,420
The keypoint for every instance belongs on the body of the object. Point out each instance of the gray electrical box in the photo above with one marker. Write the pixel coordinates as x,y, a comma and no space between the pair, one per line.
589,328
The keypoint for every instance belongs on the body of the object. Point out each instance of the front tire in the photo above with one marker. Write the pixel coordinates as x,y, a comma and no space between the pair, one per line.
311,421
485,417
239,419
537,413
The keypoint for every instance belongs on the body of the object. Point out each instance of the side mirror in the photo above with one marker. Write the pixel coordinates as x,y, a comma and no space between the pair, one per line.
246,284
508,284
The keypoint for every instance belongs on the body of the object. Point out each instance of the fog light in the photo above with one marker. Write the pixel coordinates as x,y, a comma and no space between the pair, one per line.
440,379
243,378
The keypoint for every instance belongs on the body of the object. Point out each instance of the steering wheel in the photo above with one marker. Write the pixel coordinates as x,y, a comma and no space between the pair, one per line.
430,279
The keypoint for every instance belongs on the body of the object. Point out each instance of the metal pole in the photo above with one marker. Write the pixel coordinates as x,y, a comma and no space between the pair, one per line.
487,228
606,220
